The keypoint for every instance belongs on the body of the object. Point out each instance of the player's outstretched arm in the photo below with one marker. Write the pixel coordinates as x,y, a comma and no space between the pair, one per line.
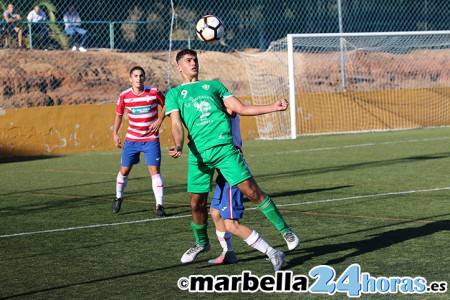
236,105
177,135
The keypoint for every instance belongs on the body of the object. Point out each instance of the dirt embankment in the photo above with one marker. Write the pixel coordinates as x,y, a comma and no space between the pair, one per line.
42,78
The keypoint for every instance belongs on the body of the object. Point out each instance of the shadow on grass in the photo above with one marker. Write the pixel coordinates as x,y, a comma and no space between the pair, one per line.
15,159
301,192
363,165
373,243
14,210
169,211
172,189
307,191
65,202
377,241
93,281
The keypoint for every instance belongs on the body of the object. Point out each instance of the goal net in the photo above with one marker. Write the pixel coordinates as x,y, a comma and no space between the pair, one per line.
352,82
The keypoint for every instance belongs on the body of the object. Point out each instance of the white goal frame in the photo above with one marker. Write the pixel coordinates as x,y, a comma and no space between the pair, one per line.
342,36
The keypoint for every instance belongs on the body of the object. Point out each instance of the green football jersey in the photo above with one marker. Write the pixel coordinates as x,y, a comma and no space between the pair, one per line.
201,109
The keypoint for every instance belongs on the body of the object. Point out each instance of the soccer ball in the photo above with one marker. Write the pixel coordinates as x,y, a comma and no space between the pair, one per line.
210,28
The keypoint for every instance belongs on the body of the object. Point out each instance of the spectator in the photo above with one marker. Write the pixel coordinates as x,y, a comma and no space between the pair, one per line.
39,17
11,19
73,30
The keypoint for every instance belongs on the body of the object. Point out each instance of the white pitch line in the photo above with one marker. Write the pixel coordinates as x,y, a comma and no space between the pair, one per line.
90,226
252,208
350,146
333,148
368,196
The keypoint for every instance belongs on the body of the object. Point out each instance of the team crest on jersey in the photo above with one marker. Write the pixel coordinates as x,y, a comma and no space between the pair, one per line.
205,87
203,107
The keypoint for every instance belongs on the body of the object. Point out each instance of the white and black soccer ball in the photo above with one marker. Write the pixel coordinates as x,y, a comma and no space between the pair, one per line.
210,28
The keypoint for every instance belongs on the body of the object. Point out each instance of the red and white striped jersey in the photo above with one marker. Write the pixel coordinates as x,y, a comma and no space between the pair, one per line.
142,111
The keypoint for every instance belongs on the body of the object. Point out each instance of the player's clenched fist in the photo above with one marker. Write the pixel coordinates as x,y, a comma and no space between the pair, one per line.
117,141
174,151
281,105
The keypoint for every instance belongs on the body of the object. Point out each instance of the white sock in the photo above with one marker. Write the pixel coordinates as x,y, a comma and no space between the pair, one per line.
225,240
270,252
158,189
257,242
121,183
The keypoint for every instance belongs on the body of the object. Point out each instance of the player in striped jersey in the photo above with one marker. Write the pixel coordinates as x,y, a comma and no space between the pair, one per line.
140,102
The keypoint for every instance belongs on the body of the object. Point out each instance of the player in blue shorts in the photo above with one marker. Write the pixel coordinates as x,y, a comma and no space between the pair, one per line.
227,208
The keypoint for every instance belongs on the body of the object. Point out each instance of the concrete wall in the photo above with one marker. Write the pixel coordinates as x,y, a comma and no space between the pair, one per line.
72,128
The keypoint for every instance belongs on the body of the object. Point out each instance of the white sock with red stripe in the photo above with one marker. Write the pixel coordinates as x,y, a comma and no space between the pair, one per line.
257,242
225,240
158,189
121,183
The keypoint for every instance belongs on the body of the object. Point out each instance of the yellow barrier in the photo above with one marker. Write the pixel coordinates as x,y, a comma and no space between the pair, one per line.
72,128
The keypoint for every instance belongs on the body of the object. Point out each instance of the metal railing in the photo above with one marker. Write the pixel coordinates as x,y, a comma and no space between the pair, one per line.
107,34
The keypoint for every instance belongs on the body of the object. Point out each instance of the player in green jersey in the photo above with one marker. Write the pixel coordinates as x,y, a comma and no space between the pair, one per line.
199,106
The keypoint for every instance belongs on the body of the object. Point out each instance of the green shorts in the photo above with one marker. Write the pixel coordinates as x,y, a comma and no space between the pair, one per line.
226,158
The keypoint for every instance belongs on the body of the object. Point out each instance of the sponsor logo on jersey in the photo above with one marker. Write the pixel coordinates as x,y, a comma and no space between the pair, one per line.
140,110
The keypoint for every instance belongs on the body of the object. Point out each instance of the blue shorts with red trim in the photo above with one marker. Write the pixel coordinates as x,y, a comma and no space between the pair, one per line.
229,200
132,150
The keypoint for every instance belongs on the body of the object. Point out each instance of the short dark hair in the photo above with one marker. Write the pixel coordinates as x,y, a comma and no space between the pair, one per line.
184,52
137,68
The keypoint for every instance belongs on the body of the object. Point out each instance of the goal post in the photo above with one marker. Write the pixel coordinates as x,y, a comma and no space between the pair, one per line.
292,100
352,82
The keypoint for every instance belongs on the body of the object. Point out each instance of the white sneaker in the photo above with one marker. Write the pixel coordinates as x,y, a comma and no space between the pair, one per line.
82,49
276,258
192,253
291,239
74,48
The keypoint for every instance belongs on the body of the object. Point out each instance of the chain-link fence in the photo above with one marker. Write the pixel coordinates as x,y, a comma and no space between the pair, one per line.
120,34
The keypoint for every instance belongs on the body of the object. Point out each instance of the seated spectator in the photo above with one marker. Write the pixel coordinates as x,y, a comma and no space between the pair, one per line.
37,17
11,18
73,30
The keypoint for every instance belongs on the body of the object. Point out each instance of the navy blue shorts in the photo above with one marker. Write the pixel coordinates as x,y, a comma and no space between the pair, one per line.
132,150
229,200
